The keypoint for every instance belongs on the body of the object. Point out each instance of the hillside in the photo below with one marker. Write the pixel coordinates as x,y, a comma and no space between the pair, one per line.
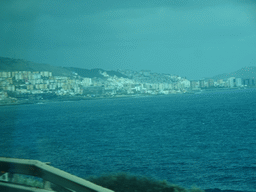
9,64
246,72
94,72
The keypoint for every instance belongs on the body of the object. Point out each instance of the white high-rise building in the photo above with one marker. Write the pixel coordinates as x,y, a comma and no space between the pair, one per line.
238,82
86,82
231,82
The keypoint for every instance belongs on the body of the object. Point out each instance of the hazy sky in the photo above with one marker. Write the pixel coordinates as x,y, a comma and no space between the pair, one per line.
190,38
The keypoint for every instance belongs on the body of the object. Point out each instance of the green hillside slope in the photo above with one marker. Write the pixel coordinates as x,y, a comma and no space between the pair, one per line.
9,64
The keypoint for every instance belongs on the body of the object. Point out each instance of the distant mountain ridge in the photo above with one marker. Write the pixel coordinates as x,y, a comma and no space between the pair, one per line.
246,73
10,64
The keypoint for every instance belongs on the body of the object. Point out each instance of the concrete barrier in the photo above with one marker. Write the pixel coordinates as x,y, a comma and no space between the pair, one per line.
47,173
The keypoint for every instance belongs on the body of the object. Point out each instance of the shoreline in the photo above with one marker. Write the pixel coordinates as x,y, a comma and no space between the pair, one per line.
66,99
80,98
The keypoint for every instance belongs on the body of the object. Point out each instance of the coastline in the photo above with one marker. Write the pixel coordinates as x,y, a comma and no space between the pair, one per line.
63,99
13,101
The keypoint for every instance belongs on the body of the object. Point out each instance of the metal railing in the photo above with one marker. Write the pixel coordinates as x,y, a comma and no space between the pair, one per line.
44,171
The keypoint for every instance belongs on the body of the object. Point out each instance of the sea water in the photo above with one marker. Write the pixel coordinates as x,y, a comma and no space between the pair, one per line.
206,140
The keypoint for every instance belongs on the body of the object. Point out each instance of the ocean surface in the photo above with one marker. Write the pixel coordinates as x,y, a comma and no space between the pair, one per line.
206,140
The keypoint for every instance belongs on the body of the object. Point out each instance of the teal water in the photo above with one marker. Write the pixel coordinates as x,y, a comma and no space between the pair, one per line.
207,139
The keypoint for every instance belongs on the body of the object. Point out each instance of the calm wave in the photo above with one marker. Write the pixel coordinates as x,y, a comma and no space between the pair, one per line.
207,140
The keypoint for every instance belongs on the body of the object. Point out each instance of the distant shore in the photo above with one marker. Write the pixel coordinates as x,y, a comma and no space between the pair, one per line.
62,98
13,101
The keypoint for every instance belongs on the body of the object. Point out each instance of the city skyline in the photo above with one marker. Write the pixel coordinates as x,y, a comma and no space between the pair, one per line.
27,82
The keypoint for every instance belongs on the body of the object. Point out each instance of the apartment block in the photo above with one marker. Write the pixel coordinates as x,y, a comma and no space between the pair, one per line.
5,74
210,83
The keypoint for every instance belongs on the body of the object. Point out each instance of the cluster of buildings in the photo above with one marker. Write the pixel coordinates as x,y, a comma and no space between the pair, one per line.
144,83
27,84
23,83
231,82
